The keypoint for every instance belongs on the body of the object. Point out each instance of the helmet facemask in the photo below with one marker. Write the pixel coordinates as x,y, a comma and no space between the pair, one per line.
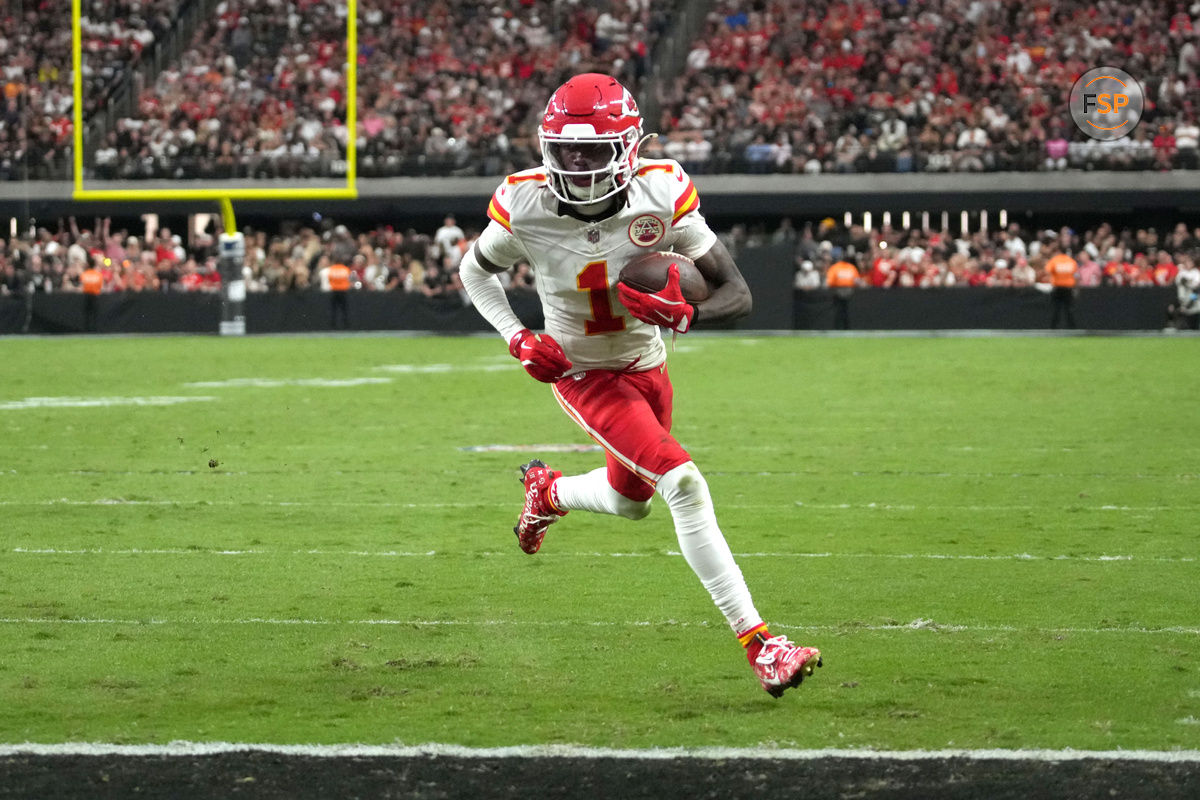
586,167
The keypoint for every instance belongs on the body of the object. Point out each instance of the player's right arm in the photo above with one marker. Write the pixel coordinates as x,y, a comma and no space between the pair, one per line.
540,354
495,251
480,277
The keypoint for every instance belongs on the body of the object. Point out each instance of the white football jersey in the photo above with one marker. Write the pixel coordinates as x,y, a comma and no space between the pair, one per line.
576,263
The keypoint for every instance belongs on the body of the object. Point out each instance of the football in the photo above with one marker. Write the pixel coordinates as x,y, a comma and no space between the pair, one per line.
648,273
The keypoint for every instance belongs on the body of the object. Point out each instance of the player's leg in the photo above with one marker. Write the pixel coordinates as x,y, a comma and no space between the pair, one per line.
593,491
630,416
778,663
549,495
606,405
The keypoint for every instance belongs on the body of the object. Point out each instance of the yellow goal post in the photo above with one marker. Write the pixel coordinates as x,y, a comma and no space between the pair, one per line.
222,195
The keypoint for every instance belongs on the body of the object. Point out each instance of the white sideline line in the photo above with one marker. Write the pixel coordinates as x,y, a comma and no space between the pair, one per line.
120,501
190,551
915,625
185,749
891,507
1182,476
904,473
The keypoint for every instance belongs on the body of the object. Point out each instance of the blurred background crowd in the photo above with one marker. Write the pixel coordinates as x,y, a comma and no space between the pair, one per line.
218,89
256,89
385,258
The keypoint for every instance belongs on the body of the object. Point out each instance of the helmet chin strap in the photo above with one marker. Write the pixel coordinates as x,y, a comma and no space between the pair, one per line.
585,193
593,209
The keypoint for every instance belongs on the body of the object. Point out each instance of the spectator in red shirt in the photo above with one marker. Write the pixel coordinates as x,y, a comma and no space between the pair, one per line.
1164,271
1164,147
882,271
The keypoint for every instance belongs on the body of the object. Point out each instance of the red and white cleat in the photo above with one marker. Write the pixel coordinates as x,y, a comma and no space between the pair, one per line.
780,665
539,512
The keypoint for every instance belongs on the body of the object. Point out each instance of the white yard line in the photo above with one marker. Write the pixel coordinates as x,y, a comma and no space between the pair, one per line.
918,625
275,383
97,402
191,551
189,749
785,505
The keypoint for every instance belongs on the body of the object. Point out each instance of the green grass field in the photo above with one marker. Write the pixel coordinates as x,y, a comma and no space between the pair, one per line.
993,541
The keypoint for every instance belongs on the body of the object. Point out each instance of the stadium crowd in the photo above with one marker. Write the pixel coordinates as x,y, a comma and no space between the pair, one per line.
298,257
807,86
455,87
35,56
1012,256
443,88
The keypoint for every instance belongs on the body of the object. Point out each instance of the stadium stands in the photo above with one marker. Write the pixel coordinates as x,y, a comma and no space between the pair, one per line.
255,90
444,89
454,87
954,85
386,259
35,48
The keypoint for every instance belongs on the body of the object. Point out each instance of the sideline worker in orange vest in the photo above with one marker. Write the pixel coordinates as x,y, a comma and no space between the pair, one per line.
339,287
1060,270
91,280
841,277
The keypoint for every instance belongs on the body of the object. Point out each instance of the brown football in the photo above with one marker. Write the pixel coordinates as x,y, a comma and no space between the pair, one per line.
648,273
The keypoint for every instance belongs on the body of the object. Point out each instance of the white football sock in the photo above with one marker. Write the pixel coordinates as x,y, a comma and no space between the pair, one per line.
704,546
591,492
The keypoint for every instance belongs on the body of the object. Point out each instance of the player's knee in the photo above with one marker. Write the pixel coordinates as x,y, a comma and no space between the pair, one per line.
633,509
684,486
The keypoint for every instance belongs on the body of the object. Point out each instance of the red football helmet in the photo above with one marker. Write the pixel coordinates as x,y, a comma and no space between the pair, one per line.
589,135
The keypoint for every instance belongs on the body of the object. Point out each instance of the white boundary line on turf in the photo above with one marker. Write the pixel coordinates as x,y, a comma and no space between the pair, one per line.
883,473
188,551
187,749
120,501
904,473
848,627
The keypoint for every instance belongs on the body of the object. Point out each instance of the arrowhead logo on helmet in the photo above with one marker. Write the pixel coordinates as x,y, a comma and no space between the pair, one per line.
589,137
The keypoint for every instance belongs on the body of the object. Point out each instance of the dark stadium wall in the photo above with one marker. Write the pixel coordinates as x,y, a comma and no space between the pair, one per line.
1102,308
769,272
404,201
154,312
777,307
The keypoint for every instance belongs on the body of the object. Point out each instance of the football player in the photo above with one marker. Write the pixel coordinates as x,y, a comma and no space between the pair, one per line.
593,206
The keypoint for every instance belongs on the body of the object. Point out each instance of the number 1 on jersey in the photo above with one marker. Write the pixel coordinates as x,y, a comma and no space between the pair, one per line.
594,280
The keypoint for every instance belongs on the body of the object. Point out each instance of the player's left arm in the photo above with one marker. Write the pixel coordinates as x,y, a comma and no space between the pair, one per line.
730,296
691,236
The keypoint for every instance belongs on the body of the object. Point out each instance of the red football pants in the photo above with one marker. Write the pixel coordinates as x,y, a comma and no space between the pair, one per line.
629,415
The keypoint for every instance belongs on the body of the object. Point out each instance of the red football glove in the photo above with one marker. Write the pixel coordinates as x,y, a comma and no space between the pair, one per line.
665,308
542,357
